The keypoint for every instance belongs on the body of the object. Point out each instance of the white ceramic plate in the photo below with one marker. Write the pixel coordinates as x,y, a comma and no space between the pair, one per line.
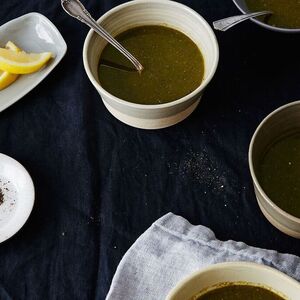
32,32
18,196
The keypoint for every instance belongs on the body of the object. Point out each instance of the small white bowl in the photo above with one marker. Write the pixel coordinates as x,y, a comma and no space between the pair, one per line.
155,12
32,32
233,272
18,190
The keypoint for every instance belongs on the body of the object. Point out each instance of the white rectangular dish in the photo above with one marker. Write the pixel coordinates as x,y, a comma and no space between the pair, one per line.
32,32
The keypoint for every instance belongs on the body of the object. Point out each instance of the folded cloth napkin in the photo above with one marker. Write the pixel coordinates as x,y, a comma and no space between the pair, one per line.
172,248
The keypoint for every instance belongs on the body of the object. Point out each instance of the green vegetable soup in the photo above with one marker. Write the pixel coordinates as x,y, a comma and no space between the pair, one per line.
286,13
238,292
279,174
173,63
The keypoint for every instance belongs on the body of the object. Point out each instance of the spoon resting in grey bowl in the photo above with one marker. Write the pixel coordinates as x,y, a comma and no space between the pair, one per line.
227,23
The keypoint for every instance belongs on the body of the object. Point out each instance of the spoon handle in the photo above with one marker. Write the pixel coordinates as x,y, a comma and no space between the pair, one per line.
76,9
227,23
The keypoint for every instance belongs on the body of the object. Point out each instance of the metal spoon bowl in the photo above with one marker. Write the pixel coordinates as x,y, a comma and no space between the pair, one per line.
76,10
227,23
242,6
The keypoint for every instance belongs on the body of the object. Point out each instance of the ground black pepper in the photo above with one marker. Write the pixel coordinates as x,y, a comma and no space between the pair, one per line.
1,196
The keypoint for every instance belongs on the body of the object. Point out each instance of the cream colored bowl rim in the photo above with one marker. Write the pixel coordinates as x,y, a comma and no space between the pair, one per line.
250,154
226,265
203,84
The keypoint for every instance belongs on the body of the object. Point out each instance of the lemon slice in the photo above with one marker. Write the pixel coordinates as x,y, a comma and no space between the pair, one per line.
22,62
11,46
7,78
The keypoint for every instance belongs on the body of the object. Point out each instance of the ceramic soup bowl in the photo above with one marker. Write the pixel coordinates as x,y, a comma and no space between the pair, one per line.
253,273
279,123
155,12
242,6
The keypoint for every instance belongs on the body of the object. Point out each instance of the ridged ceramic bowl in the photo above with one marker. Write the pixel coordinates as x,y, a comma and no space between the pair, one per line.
242,6
253,273
281,122
154,12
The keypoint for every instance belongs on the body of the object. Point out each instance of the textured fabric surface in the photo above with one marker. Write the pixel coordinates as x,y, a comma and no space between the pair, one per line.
100,184
172,249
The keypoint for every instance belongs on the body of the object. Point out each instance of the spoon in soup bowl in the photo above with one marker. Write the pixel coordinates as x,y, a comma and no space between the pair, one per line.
227,23
76,10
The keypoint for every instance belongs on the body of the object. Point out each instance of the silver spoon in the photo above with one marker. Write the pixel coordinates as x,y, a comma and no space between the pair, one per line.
227,23
76,9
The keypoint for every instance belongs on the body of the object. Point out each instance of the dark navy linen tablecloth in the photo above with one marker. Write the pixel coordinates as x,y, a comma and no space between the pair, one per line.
100,183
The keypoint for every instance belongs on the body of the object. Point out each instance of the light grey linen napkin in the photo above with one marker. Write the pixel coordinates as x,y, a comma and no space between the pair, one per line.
172,248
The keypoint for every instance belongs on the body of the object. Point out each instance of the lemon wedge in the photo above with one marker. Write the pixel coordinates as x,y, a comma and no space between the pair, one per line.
11,46
7,78
22,62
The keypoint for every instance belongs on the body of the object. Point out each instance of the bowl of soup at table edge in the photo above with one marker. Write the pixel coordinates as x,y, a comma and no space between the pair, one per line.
130,20
285,17
259,280
274,161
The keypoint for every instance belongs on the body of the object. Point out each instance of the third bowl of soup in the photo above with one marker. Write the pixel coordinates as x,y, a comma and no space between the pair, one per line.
236,281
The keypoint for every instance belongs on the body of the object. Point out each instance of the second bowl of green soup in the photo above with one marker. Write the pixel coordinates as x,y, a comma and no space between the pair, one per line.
178,50
274,161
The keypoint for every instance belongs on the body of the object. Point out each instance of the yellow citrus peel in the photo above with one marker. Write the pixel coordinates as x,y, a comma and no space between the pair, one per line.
7,78
22,62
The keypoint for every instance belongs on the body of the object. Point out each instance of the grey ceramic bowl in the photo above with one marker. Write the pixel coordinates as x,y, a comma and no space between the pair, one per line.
241,5
281,122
